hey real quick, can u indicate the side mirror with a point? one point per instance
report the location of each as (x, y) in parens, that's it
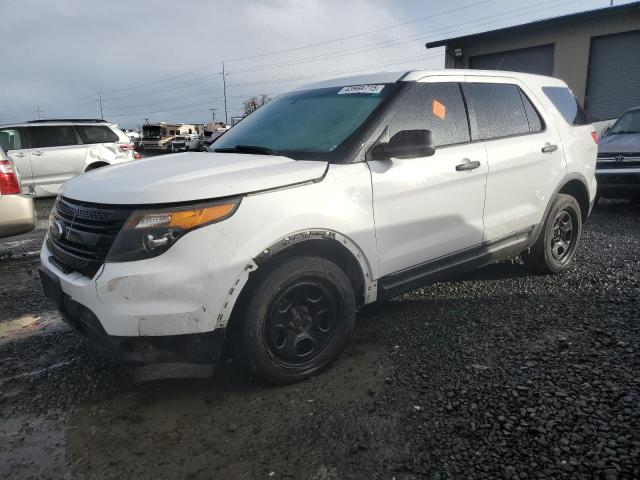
(606, 131)
(405, 144)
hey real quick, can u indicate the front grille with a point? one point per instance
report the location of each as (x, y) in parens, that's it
(618, 160)
(88, 231)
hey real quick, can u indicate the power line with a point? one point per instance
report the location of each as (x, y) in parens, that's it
(334, 72)
(395, 41)
(156, 103)
(326, 56)
(385, 44)
(310, 45)
(302, 47)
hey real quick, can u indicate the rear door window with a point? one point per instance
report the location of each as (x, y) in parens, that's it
(438, 107)
(499, 109)
(567, 104)
(10, 139)
(96, 134)
(54, 136)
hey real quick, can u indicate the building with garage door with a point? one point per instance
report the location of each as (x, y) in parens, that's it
(596, 52)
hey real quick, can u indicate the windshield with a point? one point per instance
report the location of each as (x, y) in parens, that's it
(308, 122)
(627, 123)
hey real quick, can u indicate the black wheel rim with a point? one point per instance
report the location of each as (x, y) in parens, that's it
(302, 323)
(563, 236)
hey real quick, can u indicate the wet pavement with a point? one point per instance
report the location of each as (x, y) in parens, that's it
(501, 374)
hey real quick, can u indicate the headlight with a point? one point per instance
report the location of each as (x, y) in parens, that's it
(149, 233)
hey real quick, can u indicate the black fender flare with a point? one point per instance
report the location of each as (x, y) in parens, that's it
(535, 233)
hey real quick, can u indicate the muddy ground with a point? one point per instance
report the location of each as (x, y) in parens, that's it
(501, 374)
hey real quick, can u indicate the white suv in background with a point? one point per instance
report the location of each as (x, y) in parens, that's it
(324, 200)
(47, 153)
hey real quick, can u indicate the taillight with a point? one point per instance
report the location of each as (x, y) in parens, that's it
(594, 135)
(136, 155)
(127, 146)
(9, 184)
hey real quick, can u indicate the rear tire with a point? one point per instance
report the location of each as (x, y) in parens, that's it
(297, 320)
(556, 247)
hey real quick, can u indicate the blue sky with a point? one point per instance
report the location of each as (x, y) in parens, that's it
(161, 60)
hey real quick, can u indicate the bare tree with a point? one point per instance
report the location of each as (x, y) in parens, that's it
(254, 103)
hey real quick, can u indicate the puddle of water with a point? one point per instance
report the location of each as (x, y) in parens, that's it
(28, 325)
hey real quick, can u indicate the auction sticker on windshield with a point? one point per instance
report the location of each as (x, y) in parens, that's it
(361, 89)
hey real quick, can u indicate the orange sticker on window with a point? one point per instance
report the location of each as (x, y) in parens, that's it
(439, 110)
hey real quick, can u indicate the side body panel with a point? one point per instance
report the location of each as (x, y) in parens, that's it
(425, 209)
(522, 178)
(188, 288)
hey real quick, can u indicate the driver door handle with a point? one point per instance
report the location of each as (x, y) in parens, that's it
(37, 153)
(549, 148)
(467, 165)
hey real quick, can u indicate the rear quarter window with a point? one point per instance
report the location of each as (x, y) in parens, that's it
(96, 134)
(10, 139)
(567, 104)
(499, 109)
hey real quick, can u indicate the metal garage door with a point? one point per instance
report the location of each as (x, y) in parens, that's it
(529, 60)
(613, 84)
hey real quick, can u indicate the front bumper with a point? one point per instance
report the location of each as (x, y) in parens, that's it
(618, 182)
(151, 356)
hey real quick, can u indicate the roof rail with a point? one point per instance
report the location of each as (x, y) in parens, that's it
(77, 120)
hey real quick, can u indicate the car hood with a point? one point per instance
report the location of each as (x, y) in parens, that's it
(621, 142)
(186, 177)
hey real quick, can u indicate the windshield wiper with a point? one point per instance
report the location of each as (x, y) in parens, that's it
(623, 131)
(246, 149)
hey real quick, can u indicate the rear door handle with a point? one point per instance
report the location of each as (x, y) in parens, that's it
(37, 153)
(467, 165)
(19, 155)
(548, 148)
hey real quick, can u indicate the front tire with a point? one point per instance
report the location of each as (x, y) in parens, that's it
(556, 247)
(297, 320)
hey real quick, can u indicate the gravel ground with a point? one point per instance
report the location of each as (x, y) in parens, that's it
(502, 374)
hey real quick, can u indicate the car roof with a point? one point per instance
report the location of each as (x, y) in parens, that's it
(54, 123)
(414, 75)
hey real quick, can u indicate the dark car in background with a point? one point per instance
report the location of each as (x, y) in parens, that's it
(618, 166)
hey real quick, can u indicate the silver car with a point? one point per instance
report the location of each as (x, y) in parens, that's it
(16, 210)
(47, 153)
(618, 167)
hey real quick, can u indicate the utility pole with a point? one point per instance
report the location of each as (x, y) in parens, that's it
(38, 111)
(213, 114)
(100, 99)
(146, 121)
(224, 89)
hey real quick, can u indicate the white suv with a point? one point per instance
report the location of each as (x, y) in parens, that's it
(47, 153)
(324, 200)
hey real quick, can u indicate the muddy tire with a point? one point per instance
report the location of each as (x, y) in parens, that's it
(297, 320)
(556, 247)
